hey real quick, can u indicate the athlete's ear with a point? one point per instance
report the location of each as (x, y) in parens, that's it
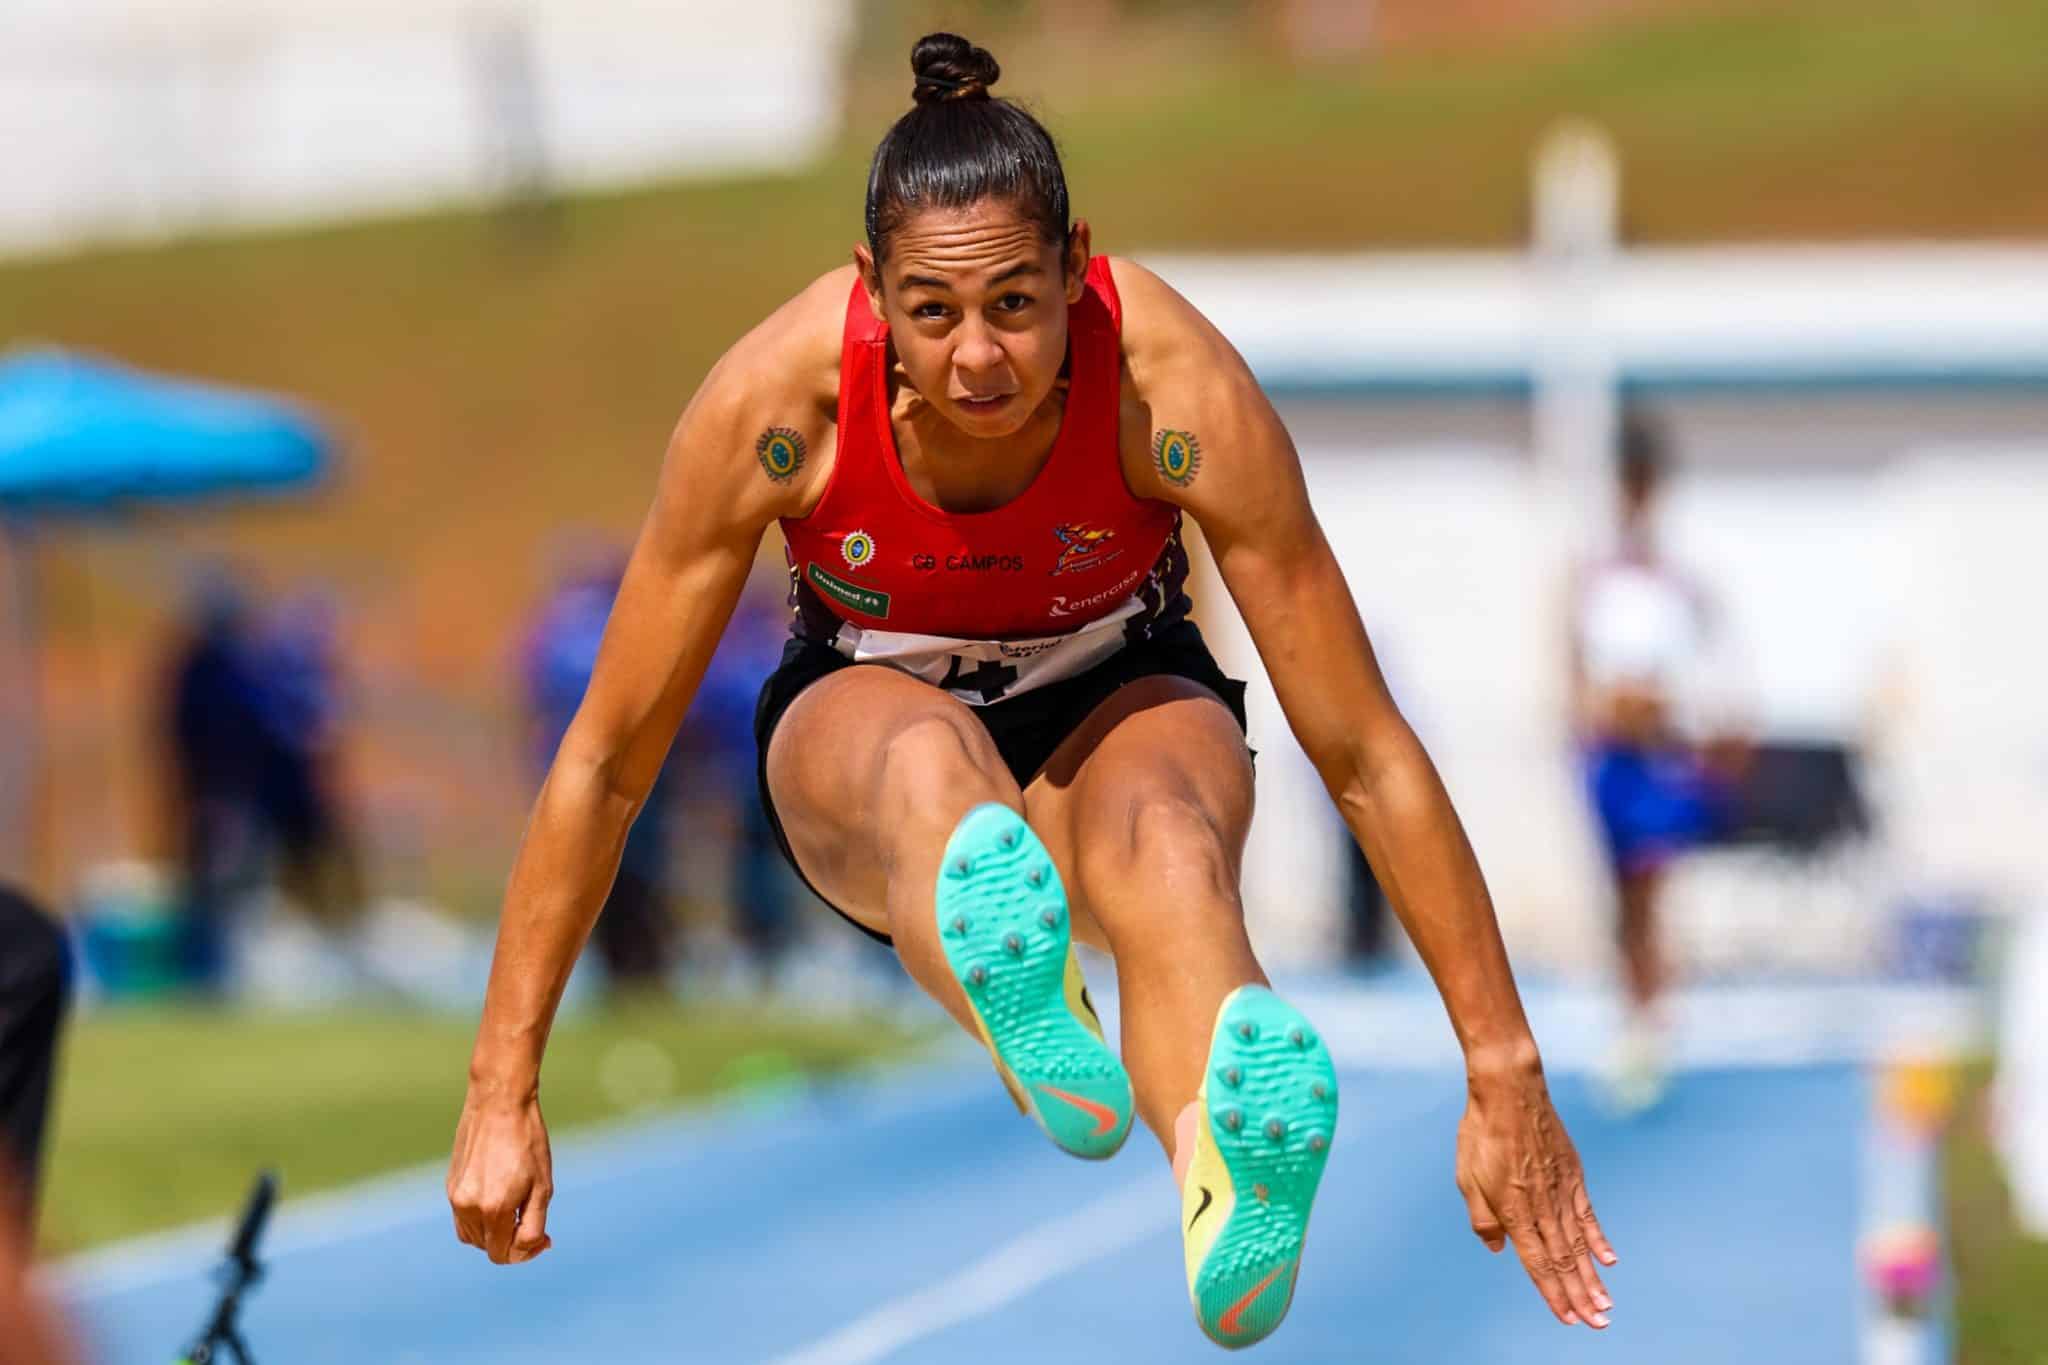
(1078, 242)
(870, 278)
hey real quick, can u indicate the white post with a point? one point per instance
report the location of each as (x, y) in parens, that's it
(1574, 404)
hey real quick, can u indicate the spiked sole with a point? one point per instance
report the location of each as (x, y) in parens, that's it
(1270, 1109)
(1003, 925)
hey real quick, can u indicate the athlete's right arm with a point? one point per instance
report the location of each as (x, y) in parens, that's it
(744, 453)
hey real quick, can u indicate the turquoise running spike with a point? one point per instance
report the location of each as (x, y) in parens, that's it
(1270, 1125)
(1012, 960)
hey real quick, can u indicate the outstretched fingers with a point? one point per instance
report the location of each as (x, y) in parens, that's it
(1572, 1259)
(1550, 1266)
(1576, 1227)
(1582, 1209)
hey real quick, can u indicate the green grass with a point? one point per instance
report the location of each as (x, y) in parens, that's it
(164, 1116)
(2001, 1313)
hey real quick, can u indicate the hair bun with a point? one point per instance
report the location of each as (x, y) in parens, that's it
(948, 67)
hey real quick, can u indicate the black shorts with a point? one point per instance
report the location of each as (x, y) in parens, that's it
(1027, 729)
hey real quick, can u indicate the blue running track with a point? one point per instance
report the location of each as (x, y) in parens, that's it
(920, 1220)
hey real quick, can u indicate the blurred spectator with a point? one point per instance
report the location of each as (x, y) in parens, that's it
(214, 734)
(718, 742)
(1640, 631)
(251, 725)
(1366, 913)
(298, 707)
(35, 986)
(636, 931)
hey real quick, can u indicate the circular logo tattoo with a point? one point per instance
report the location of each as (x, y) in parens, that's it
(1178, 455)
(781, 451)
(858, 547)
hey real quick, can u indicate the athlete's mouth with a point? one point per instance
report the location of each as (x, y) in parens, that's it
(989, 404)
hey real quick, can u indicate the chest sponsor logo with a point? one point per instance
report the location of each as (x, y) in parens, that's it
(967, 563)
(1084, 546)
(864, 600)
(1078, 606)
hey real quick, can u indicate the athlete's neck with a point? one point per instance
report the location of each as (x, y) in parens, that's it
(956, 472)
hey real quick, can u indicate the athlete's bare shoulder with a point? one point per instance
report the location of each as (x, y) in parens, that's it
(760, 429)
(1162, 333)
(795, 349)
(1184, 388)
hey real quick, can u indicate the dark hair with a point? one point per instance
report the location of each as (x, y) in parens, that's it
(958, 146)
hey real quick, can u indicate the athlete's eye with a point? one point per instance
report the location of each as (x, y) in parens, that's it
(929, 310)
(1014, 303)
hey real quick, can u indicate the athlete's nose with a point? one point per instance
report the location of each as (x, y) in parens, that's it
(977, 354)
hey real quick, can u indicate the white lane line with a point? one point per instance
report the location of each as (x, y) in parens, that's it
(414, 1195)
(1003, 1276)
(1761, 1024)
(357, 1211)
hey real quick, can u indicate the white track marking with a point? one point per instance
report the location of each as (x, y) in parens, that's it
(415, 1195)
(1004, 1275)
(1401, 1026)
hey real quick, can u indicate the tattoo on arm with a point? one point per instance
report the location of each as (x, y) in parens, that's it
(781, 451)
(1178, 456)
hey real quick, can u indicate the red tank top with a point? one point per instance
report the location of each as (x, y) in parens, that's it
(879, 573)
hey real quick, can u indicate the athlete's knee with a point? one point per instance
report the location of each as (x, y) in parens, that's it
(934, 758)
(1160, 841)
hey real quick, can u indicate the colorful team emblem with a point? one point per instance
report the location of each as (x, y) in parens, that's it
(857, 549)
(781, 452)
(1178, 455)
(1085, 546)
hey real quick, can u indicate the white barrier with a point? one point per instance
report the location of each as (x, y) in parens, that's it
(2020, 1124)
(126, 119)
(1863, 446)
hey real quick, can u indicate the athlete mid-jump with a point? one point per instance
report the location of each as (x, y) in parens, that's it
(995, 729)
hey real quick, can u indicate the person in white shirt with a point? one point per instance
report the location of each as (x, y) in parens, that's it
(1641, 632)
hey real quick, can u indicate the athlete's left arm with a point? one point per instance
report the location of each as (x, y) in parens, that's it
(1220, 452)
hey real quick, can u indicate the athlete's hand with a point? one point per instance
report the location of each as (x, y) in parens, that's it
(501, 1177)
(1522, 1183)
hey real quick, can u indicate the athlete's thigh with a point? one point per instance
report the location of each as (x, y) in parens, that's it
(826, 772)
(1159, 739)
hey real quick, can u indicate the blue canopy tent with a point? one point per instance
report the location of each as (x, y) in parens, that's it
(82, 437)
(79, 435)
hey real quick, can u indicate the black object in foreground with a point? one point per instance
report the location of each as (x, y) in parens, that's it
(238, 1276)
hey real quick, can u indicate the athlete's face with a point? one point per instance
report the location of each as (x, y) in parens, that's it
(976, 301)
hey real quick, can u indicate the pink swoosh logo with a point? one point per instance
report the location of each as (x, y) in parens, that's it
(1104, 1116)
(1229, 1323)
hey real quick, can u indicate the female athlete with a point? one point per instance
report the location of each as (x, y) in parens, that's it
(996, 729)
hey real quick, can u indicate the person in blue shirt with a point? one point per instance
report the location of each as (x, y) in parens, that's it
(636, 933)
